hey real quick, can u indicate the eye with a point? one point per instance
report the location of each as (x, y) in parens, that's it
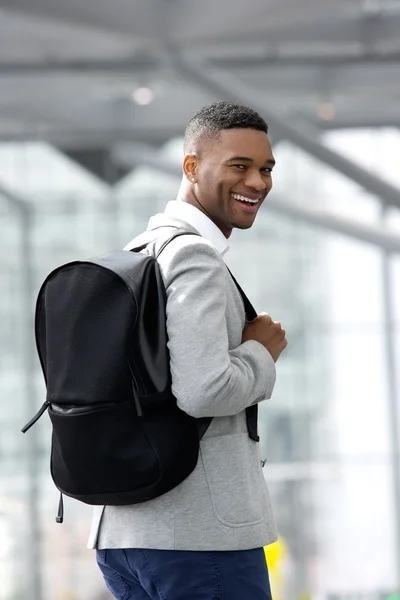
(267, 170)
(241, 167)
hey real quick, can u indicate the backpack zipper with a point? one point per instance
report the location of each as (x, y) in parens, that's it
(39, 413)
(60, 514)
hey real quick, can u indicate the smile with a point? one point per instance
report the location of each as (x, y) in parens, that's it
(245, 199)
(247, 205)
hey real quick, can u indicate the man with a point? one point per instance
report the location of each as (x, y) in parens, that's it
(204, 539)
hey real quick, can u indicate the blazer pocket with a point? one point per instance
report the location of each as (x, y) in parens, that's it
(234, 477)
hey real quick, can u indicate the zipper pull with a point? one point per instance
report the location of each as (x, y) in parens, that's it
(39, 413)
(60, 514)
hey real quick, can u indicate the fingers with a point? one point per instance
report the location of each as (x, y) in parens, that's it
(281, 345)
(266, 318)
(280, 334)
(274, 325)
(276, 334)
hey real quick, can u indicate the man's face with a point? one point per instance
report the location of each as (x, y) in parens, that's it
(233, 177)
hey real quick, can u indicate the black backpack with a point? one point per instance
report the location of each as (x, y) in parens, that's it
(118, 436)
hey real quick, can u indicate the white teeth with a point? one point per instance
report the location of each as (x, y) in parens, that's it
(244, 199)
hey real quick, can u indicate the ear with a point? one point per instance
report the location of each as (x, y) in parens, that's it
(190, 165)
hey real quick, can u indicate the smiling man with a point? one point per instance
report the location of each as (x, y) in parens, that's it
(204, 539)
(229, 161)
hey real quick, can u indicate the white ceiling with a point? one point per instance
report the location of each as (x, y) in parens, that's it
(68, 68)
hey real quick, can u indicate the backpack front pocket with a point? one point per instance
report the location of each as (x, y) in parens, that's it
(118, 458)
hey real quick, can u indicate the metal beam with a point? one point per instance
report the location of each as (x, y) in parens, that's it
(376, 236)
(87, 139)
(337, 24)
(32, 448)
(82, 138)
(389, 337)
(224, 85)
(142, 154)
(133, 19)
(148, 62)
(317, 59)
(338, 27)
(29, 67)
(190, 22)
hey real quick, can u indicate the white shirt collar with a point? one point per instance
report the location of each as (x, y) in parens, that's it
(184, 211)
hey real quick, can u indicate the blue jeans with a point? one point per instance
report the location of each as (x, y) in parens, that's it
(136, 574)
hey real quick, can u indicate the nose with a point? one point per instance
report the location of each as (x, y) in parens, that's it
(255, 181)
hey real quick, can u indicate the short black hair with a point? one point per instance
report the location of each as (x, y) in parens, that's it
(216, 117)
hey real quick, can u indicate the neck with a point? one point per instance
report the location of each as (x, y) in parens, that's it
(187, 194)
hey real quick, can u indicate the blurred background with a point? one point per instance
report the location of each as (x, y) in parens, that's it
(94, 99)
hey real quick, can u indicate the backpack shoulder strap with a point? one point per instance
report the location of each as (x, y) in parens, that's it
(148, 237)
(203, 423)
(175, 235)
(248, 307)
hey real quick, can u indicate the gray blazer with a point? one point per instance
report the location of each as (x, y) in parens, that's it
(224, 504)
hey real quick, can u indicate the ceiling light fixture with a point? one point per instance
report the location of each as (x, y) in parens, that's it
(326, 111)
(143, 96)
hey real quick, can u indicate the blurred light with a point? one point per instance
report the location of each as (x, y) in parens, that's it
(326, 111)
(143, 96)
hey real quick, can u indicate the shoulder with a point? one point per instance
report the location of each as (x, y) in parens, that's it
(186, 247)
(189, 253)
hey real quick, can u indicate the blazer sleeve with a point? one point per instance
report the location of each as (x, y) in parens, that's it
(208, 379)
